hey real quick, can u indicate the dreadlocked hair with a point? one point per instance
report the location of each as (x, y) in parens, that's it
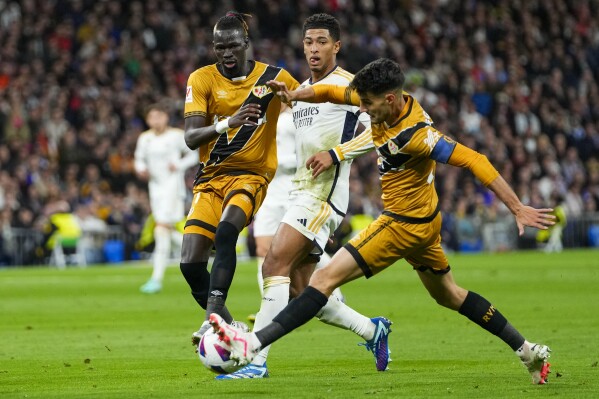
(233, 20)
(323, 21)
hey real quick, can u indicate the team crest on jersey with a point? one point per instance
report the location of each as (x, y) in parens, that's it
(261, 91)
(393, 148)
(188, 95)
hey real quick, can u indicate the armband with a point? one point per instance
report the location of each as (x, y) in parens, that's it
(222, 126)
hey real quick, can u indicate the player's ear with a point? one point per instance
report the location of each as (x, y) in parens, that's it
(247, 43)
(336, 47)
(390, 97)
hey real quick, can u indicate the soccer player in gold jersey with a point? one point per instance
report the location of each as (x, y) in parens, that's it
(231, 118)
(409, 228)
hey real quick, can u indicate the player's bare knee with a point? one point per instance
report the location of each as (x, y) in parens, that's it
(449, 298)
(195, 248)
(275, 264)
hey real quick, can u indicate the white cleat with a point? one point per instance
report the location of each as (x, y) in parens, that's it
(534, 358)
(237, 341)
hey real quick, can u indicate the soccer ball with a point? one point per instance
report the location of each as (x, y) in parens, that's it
(214, 355)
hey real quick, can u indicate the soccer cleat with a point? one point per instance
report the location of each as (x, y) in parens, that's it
(379, 344)
(249, 371)
(534, 358)
(197, 336)
(241, 325)
(238, 342)
(151, 287)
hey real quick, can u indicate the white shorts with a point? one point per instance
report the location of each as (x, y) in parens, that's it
(276, 203)
(167, 210)
(315, 219)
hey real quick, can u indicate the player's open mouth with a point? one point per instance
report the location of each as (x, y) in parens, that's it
(230, 64)
(314, 60)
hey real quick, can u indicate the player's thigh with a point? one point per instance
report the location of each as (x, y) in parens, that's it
(314, 219)
(387, 240)
(204, 214)
(246, 192)
(288, 249)
(429, 254)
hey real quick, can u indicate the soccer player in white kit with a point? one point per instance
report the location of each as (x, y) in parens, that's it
(316, 206)
(275, 203)
(161, 159)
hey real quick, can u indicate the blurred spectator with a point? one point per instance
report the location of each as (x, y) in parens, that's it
(516, 80)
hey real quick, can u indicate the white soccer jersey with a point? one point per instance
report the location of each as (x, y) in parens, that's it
(320, 127)
(155, 154)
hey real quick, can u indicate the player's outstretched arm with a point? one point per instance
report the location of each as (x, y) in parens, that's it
(525, 215)
(287, 96)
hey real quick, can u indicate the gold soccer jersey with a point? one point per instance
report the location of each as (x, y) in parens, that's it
(408, 151)
(249, 149)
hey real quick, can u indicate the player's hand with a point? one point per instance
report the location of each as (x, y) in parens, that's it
(247, 115)
(532, 217)
(319, 162)
(280, 89)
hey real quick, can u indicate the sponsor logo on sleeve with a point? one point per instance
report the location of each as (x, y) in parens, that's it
(431, 138)
(188, 95)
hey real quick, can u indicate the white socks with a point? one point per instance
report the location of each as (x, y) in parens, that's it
(162, 250)
(338, 314)
(274, 299)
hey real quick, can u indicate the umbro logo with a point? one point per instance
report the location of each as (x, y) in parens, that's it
(216, 293)
(303, 221)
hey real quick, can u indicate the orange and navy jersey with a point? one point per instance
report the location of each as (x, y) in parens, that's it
(408, 151)
(246, 149)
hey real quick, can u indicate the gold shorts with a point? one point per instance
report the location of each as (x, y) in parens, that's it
(387, 240)
(211, 197)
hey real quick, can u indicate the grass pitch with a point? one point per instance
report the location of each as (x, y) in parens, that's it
(83, 333)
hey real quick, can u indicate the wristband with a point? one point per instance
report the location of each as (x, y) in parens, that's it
(222, 126)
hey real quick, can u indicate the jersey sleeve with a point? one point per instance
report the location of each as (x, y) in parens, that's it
(196, 95)
(431, 143)
(353, 148)
(478, 163)
(335, 94)
(289, 80)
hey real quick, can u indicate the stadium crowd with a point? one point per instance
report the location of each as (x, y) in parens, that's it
(516, 80)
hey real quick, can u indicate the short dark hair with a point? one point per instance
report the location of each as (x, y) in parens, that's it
(378, 77)
(233, 20)
(323, 21)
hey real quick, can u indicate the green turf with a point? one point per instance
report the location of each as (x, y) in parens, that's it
(84, 333)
